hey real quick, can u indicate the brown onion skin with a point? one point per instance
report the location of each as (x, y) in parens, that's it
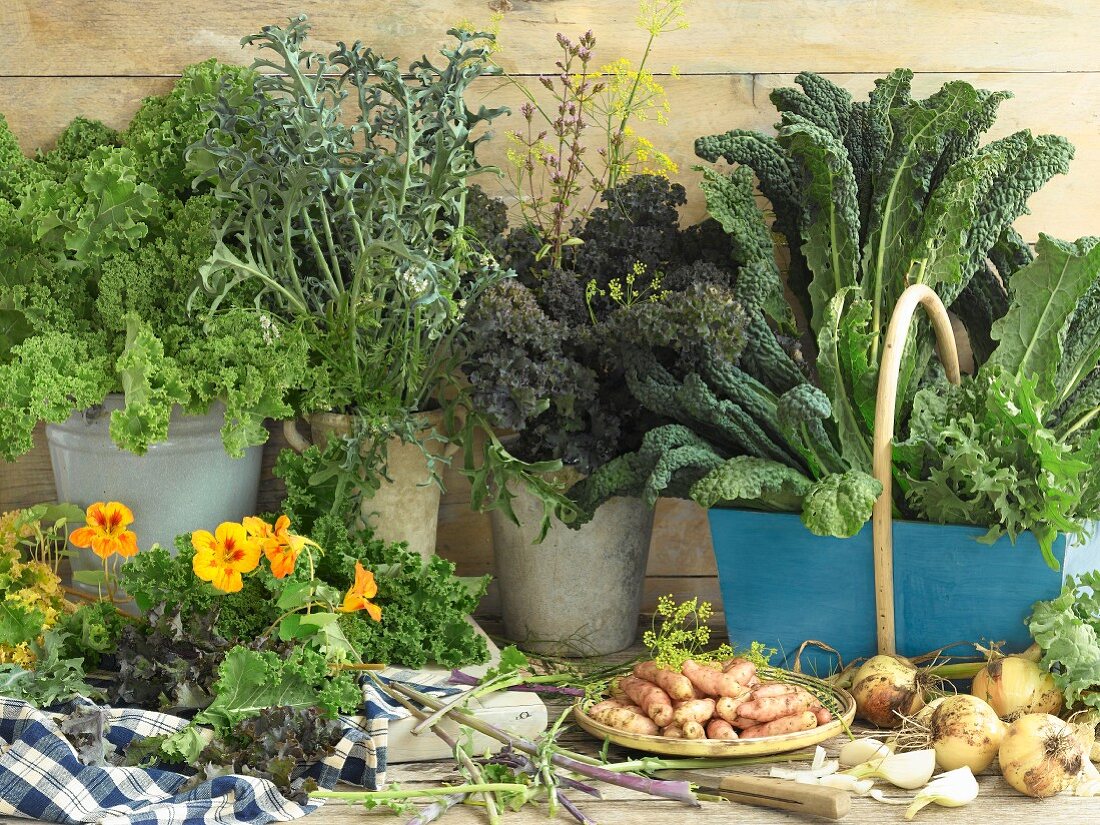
(1046, 698)
(881, 698)
(1056, 768)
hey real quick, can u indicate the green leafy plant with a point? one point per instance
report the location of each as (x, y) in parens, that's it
(101, 240)
(1066, 630)
(1013, 447)
(365, 245)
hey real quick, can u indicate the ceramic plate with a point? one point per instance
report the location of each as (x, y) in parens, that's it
(723, 748)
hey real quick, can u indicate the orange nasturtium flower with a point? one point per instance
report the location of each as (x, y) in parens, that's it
(357, 597)
(221, 558)
(105, 530)
(281, 547)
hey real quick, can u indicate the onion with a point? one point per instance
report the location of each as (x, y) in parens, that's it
(965, 733)
(1014, 686)
(1040, 756)
(910, 770)
(859, 751)
(886, 688)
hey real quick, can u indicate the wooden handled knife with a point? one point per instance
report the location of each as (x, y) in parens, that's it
(765, 792)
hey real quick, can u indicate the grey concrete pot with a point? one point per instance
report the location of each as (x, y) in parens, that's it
(579, 592)
(185, 483)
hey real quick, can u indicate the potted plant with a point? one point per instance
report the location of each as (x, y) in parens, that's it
(606, 282)
(345, 198)
(146, 395)
(870, 199)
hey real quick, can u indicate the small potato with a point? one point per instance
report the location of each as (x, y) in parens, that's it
(786, 724)
(766, 689)
(676, 685)
(650, 698)
(694, 710)
(824, 716)
(693, 730)
(726, 707)
(775, 707)
(740, 669)
(622, 719)
(720, 729)
(672, 732)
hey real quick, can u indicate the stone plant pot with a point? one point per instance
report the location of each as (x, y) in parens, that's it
(405, 508)
(577, 593)
(185, 483)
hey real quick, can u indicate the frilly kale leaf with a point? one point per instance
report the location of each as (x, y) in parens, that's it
(166, 125)
(1066, 630)
(75, 143)
(91, 632)
(840, 504)
(48, 376)
(99, 209)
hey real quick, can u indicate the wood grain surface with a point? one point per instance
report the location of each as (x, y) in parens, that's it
(997, 803)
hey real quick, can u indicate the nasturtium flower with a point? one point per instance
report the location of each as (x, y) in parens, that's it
(281, 547)
(221, 558)
(365, 588)
(105, 530)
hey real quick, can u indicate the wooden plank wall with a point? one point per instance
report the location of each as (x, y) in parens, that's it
(100, 57)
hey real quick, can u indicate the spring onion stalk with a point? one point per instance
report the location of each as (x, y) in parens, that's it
(667, 789)
(952, 790)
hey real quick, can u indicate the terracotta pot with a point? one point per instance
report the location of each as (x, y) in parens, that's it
(405, 507)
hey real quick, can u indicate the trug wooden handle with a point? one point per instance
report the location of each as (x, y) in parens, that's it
(882, 455)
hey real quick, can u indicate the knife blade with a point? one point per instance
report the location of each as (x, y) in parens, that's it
(766, 792)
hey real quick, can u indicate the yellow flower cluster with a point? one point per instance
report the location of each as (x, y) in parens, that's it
(30, 585)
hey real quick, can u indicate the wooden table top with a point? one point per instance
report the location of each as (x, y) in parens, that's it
(997, 803)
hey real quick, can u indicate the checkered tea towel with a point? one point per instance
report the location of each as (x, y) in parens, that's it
(42, 777)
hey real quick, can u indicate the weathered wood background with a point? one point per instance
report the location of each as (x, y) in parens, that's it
(99, 58)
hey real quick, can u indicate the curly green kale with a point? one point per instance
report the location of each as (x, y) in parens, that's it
(48, 377)
(91, 632)
(100, 208)
(17, 172)
(165, 126)
(1067, 630)
(75, 143)
(840, 504)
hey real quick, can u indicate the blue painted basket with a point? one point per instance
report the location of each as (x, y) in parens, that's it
(905, 587)
(782, 585)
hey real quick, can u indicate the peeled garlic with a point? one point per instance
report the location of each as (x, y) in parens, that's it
(952, 790)
(910, 770)
(859, 751)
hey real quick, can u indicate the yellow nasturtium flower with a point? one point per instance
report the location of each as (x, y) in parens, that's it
(358, 597)
(105, 530)
(281, 547)
(221, 558)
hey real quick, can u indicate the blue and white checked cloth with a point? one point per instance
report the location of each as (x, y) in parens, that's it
(41, 776)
